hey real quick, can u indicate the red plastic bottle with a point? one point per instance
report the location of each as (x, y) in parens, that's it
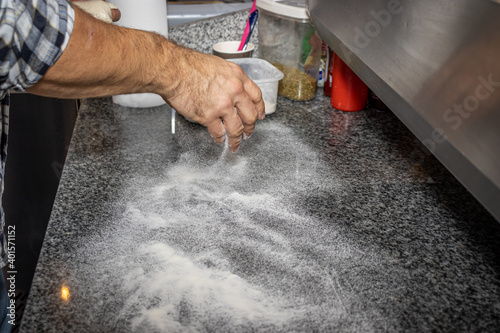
(349, 92)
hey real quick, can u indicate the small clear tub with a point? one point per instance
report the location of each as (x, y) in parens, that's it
(265, 75)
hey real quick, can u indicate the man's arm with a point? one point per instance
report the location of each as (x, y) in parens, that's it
(102, 59)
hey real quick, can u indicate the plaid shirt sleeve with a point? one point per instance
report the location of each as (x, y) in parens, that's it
(33, 35)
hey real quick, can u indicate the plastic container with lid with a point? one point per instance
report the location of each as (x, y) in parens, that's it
(288, 40)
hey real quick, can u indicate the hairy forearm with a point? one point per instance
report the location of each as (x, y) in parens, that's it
(102, 60)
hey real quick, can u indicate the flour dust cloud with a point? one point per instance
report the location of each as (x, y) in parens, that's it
(216, 244)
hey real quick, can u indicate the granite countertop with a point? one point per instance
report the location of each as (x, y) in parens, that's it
(324, 221)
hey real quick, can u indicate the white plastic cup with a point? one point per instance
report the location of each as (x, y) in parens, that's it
(150, 15)
(229, 50)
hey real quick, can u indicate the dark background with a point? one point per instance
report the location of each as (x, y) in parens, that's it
(40, 132)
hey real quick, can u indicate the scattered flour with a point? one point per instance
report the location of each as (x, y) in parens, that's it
(216, 244)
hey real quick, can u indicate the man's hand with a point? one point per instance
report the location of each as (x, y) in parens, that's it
(217, 94)
(99, 9)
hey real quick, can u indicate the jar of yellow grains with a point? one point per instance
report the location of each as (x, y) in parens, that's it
(288, 40)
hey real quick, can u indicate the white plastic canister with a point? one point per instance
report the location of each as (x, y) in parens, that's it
(149, 15)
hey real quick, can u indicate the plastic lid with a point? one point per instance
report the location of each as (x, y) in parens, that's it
(291, 8)
(258, 70)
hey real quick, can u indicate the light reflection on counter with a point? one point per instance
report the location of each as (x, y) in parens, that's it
(65, 295)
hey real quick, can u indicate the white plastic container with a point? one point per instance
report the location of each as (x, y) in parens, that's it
(288, 40)
(265, 75)
(150, 15)
(229, 50)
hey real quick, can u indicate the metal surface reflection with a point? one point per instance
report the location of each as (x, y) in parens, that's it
(435, 64)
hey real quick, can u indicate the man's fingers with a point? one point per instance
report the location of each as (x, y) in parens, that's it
(231, 126)
(217, 131)
(235, 124)
(255, 94)
(101, 10)
(248, 115)
(225, 100)
(234, 129)
(252, 91)
(115, 14)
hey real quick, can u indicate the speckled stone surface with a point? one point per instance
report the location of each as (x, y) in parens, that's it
(324, 221)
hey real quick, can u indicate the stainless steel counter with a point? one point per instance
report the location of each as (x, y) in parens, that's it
(435, 64)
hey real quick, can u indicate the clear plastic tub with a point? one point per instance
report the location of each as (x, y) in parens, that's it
(288, 40)
(265, 75)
